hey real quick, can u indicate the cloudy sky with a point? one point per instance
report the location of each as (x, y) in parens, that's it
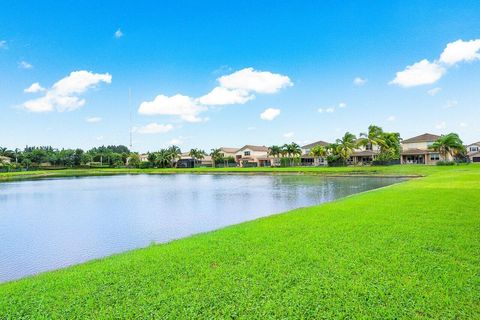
(222, 74)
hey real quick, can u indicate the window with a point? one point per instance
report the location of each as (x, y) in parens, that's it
(434, 157)
(246, 153)
(368, 146)
(473, 149)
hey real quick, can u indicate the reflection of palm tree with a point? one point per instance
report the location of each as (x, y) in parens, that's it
(449, 144)
(345, 146)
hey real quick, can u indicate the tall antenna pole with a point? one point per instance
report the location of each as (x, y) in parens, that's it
(130, 108)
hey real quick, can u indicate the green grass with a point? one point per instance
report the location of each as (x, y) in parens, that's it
(409, 251)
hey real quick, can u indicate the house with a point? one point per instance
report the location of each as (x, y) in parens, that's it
(364, 154)
(5, 160)
(473, 152)
(308, 160)
(144, 157)
(186, 161)
(417, 150)
(228, 152)
(253, 156)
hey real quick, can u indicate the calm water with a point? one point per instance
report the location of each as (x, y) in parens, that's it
(50, 224)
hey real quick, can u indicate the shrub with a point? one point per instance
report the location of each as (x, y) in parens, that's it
(445, 163)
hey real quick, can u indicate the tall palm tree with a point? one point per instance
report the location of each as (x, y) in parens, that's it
(174, 154)
(275, 151)
(449, 144)
(217, 156)
(374, 137)
(346, 145)
(196, 154)
(318, 152)
(292, 150)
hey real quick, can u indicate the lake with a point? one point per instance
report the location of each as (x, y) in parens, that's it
(53, 223)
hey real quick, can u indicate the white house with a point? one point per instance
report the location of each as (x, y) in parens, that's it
(473, 152)
(253, 156)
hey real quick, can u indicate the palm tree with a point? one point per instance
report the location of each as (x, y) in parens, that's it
(449, 144)
(275, 151)
(217, 156)
(196, 154)
(345, 146)
(291, 150)
(318, 152)
(174, 154)
(374, 137)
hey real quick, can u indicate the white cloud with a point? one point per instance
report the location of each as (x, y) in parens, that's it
(269, 114)
(3, 44)
(118, 34)
(327, 110)
(420, 73)
(25, 65)
(463, 124)
(342, 105)
(441, 125)
(178, 105)
(249, 79)
(434, 91)
(177, 141)
(34, 87)
(64, 94)
(451, 104)
(152, 128)
(391, 118)
(288, 135)
(93, 119)
(224, 96)
(358, 81)
(460, 50)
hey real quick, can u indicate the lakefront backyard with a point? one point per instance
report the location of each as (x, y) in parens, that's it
(407, 250)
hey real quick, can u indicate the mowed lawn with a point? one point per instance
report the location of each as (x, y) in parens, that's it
(411, 250)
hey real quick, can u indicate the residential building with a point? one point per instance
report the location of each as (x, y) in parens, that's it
(144, 157)
(473, 152)
(186, 161)
(364, 154)
(417, 150)
(229, 152)
(253, 156)
(308, 160)
(4, 159)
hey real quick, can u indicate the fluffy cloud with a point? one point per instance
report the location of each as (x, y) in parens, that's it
(434, 91)
(460, 50)
(177, 141)
(153, 127)
(391, 118)
(25, 65)
(269, 114)
(358, 81)
(178, 105)
(34, 87)
(64, 94)
(93, 119)
(118, 34)
(288, 134)
(249, 79)
(423, 72)
(224, 96)
(426, 72)
(342, 105)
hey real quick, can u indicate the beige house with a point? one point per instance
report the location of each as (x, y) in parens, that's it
(364, 154)
(309, 160)
(473, 152)
(186, 161)
(253, 156)
(143, 157)
(417, 150)
(229, 152)
(4, 159)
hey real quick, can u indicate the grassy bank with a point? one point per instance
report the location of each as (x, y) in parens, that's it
(408, 251)
(397, 170)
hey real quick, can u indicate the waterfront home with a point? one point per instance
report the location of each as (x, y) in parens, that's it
(187, 161)
(473, 152)
(306, 159)
(253, 156)
(143, 157)
(228, 152)
(364, 154)
(417, 150)
(4, 159)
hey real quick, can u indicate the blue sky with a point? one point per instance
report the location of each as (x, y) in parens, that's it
(294, 62)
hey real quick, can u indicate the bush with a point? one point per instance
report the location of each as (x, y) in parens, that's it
(145, 165)
(445, 163)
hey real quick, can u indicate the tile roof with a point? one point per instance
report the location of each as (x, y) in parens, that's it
(314, 144)
(254, 148)
(426, 137)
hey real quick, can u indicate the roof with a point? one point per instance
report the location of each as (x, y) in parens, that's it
(426, 137)
(314, 144)
(254, 148)
(364, 153)
(414, 152)
(474, 144)
(229, 150)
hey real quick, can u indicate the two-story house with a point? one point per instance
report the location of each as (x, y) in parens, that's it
(364, 154)
(253, 156)
(308, 160)
(473, 152)
(417, 150)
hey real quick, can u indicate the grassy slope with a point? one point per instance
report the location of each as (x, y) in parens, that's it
(407, 251)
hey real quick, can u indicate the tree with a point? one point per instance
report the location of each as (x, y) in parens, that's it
(196, 154)
(217, 156)
(292, 150)
(449, 144)
(374, 137)
(318, 152)
(134, 160)
(275, 151)
(174, 153)
(345, 146)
